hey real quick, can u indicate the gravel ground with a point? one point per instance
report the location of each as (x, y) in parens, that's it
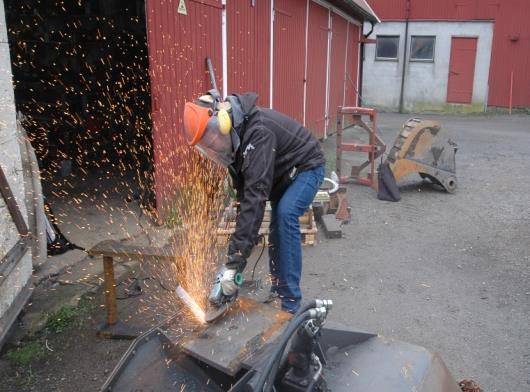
(448, 272)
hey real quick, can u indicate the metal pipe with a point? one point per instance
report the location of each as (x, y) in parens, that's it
(333, 183)
(361, 66)
(212, 74)
(402, 92)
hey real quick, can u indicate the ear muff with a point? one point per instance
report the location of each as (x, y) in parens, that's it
(225, 123)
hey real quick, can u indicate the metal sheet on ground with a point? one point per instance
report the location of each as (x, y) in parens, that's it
(150, 365)
(245, 329)
(382, 364)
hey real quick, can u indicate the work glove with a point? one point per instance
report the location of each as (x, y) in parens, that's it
(228, 280)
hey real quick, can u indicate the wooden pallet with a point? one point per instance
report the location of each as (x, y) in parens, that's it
(227, 225)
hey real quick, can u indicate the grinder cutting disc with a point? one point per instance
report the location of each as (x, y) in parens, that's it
(213, 313)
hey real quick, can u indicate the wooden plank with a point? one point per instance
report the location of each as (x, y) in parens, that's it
(264, 230)
(110, 290)
(11, 259)
(9, 317)
(115, 249)
(12, 205)
(308, 227)
(308, 235)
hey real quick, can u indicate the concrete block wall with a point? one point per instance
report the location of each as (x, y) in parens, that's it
(425, 82)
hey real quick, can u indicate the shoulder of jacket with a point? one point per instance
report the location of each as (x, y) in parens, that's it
(256, 128)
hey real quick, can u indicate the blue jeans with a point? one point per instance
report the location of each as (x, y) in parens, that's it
(285, 251)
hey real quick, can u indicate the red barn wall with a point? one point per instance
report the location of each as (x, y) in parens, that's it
(289, 57)
(511, 53)
(317, 54)
(511, 39)
(339, 29)
(248, 48)
(178, 45)
(351, 96)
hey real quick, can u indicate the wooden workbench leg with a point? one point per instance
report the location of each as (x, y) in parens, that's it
(110, 290)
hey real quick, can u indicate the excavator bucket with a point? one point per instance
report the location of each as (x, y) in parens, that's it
(225, 356)
(423, 147)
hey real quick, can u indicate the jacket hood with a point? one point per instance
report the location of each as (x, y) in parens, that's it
(248, 101)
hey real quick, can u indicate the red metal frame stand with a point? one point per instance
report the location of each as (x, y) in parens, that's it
(375, 148)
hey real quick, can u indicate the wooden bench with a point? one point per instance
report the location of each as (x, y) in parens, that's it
(110, 250)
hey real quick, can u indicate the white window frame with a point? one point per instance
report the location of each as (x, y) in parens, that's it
(418, 60)
(377, 58)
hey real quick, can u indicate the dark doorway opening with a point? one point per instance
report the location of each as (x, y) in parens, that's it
(81, 81)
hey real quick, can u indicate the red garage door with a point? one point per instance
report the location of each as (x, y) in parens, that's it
(289, 57)
(339, 28)
(178, 45)
(248, 48)
(461, 70)
(317, 49)
(351, 95)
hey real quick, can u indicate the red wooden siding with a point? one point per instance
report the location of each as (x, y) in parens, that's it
(352, 66)
(434, 9)
(511, 53)
(461, 70)
(316, 69)
(178, 46)
(249, 48)
(289, 57)
(339, 28)
(511, 43)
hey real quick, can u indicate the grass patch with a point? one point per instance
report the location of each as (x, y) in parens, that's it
(26, 379)
(25, 354)
(62, 319)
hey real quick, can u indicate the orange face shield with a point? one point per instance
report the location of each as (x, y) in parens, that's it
(204, 129)
(195, 120)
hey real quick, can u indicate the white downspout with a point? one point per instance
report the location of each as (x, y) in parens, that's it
(224, 49)
(271, 63)
(346, 65)
(306, 57)
(328, 70)
(359, 65)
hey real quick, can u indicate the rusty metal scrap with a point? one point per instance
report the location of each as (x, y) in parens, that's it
(423, 147)
(469, 386)
(374, 148)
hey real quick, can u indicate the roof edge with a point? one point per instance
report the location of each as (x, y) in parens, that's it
(357, 9)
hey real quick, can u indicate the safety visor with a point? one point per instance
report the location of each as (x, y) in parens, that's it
(195, 119)
(202, 131)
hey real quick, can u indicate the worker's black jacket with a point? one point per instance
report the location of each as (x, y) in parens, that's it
(271, 145)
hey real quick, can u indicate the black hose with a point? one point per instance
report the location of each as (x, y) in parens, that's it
(267, 372)
(259, 257)
(310, 305)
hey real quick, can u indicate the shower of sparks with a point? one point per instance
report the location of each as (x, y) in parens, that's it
(191, 304)
(82, 83)
(196, 203)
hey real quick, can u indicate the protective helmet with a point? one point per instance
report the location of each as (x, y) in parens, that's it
(207, 126)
